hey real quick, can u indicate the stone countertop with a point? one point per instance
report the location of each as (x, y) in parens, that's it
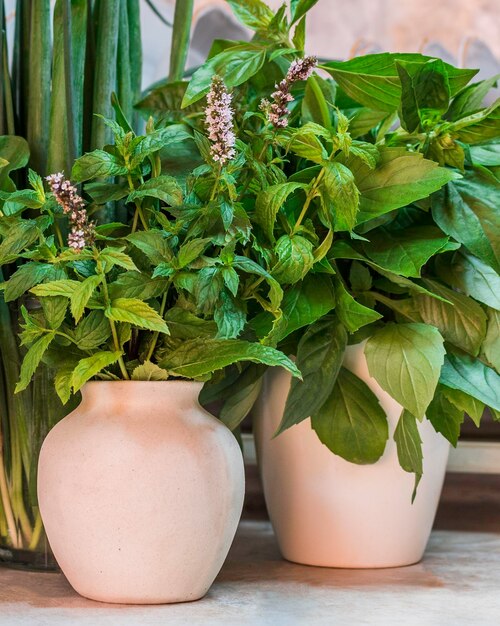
(455, 584)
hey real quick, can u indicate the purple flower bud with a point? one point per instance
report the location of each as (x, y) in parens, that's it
(219, 122)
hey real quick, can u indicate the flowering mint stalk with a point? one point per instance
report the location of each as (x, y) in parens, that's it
(277, 110)
(82, 231)
(219, 122)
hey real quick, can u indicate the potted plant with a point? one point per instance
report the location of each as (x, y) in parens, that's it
(65, 66)
(139, 488)
(377, 208)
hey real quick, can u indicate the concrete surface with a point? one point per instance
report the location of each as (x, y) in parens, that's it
(456, 584)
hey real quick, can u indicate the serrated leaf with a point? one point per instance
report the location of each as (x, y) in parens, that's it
(137, 313)
(32, 360)
(137, 285)
(295, 258)
(200, 357)
(164, 188)
(115, 256)
(97, 164)
(88, 368)
(153, 244)
(252, 13)
(340, 196)
(268, 203)
(149, 371)
(64, 287)
(26, 277)
(409, 447)
(406, 360)
(82, 294)
(191, 250)
(229, 316)
(93, 331)
(319, 357)
(351, 423)
(299, 8)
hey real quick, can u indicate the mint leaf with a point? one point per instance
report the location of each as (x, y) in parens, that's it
(32, 360)
(90, 366)
(137, 313)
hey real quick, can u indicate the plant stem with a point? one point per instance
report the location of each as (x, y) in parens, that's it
(310, 195)
(112, 324)
(37, 531)
(7, 506)
(156, 334)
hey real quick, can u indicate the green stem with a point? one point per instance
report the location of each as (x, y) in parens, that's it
(156, 334)
(310, 195)
(112, 324)
(7, 506)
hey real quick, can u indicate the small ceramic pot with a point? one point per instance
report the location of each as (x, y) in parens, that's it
(140, 491)
(329, 512)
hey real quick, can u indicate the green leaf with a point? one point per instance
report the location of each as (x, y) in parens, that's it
(468, 211)
(235, 65)
(473, 277)
(18, 238)
(295, 258)
(340, 196)
(164, 188)
(491, 345)
(54, 310)
(137, 285)
(409, 447)
(191, 250)
(209, 284)
(137, 313)
(461, 321)
(446, 417)
(15, 153)
(93, 331)
(478, 127)
(116, 256)
(465, 403)
(268, 203)
(64, 287)
(373, 80)
(149, 371)
(405, 360)
(299, 8)
(404, 251)
(90, 366)
(97, 164)
(26, 277)
(63, 381)
(153, 243)
(186, 325)
(82, 294)
(252, 13)
(199, 357)
(470, 99)
(32, 360)
(243, 396)
(250, 267)
(229, 316)
(304, 143)
(319, 357)
(352, 423)
(400, 178)
(487, 154)
(350, 312)
(307, 301)
(472, 377)
(425, 92)
(157, 140)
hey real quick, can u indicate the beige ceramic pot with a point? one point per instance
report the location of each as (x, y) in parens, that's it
(140, 491)
(328, 512)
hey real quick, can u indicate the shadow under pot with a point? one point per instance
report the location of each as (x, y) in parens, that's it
(332, 513)
(140, 491)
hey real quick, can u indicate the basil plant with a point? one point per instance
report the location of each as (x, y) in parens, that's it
(372, 189)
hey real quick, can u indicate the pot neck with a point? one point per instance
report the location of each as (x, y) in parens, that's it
(184, 394)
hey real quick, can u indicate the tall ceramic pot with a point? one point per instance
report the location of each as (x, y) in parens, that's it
(140, 491)
(329, 512)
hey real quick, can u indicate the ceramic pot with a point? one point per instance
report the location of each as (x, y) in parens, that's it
(140, 491)
(329, 512)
